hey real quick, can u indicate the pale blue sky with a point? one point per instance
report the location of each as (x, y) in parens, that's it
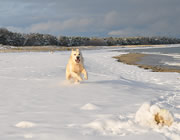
(92, 17)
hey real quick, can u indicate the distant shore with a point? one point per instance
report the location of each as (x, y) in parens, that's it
(134, 58)
(134, 46)
(8, 49)
(37, 39)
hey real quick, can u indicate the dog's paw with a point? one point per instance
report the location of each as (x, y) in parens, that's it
(76, 82)
(85, 77)
(80, 79)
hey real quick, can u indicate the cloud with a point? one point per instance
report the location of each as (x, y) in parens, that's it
(16, 29)
(117, 33)
(158, 28)
(100, 17)
(111, 18)
(128, 32)
(74, 24)
(55, 27)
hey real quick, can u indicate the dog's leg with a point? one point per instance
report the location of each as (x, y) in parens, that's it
(76, 76)
(84, 72)
(68, 76)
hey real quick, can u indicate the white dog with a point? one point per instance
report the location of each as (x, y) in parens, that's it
(75, 67)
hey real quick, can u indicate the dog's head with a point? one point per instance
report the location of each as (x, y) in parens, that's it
(76, 56)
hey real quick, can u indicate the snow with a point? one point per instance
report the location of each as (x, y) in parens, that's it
(37, 103)
(146, 116)
(172, 64)
(25, 124)
(28, 136)
(89, 106)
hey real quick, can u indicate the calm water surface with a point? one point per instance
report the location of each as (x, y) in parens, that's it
(166, 56)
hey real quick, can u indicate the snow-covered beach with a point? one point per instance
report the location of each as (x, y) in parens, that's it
(37, 103)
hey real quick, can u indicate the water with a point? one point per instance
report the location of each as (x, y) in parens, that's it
(168, 56)
(170, 49)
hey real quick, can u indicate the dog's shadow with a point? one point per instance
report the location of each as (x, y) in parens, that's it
(128, 83)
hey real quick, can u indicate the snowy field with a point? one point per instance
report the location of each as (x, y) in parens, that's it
(37, 103)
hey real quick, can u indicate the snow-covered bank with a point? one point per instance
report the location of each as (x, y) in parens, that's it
(35, 95)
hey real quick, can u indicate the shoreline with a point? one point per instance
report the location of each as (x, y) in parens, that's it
(11, 49)
(134, 58)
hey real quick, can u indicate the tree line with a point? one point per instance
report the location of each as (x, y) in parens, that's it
(36, 39)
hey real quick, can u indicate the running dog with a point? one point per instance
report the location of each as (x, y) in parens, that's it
(75, 67)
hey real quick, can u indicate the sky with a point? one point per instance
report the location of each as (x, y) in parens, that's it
(100, 18)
